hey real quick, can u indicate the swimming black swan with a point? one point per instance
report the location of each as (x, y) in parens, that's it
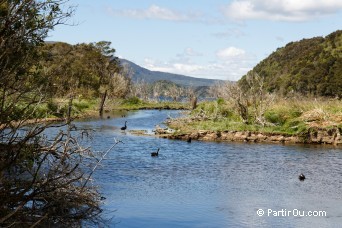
(301, 177)
(155, 154)
(124, 127)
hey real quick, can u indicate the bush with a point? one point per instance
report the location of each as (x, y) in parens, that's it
(132, 101)
(275, 118)
(220, 101)
(53, 107)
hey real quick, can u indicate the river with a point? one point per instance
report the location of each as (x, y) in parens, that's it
(212, 184)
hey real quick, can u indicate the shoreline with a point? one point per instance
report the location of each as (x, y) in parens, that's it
(313, 136)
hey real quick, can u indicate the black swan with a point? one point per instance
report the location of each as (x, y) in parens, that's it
(124, 127)
(301, 177)
(155, 154)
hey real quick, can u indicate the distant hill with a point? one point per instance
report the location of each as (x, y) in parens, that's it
(309, 66)
(140, 73)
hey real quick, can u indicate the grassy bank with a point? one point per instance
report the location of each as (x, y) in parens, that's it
(82, 108)
(287, 117)
(136, 103)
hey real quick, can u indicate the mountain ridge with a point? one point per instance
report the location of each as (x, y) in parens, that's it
(310, 67)
(140, 73)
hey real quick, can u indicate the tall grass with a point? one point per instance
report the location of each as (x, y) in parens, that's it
(285, 116)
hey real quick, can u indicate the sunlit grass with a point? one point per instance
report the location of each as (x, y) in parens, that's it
(290, 117)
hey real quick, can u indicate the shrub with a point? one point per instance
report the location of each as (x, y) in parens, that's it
(132, 101)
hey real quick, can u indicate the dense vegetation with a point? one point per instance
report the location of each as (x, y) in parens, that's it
(83, 70)
(45, 180)
(87, 79)
(294, 116)
(309, 67)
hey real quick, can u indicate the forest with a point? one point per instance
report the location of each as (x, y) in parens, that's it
(311, 67)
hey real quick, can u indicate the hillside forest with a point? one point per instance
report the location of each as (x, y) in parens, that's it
(311, 67)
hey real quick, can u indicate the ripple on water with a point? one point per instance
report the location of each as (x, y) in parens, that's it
(207, 184)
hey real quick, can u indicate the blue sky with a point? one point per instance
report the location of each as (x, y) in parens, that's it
(218, 39)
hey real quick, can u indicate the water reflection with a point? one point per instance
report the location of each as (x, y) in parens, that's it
(208, 184)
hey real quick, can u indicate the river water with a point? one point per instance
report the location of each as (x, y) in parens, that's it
(212, 184)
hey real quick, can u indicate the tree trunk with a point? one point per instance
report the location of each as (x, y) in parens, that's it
(103, 99)
(68, 120)
(193, 102)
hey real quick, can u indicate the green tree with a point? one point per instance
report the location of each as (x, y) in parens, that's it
(309, 67)
(90, 70)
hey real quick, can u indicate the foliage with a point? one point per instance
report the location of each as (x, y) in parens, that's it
(310, 67)
(132, 101)
(250, 98)
(44, 180)
(291, 117)
(135, 103)
(85, 70)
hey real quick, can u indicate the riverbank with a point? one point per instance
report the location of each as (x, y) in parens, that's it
(208, 123)
(313, 136)
(286, 121)
(85, 108)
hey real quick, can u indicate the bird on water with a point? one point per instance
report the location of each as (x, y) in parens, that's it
(124, 127)
(155, 154)
(301, 177)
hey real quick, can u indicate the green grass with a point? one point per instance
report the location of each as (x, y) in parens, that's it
(288, 117)
(58, 107)
(136, 104)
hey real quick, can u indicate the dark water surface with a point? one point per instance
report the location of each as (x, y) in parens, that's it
(210, 184)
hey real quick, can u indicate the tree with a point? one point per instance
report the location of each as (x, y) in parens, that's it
(120, 84)
(158, 90)
(249, 97)
(43, 178)
(175, 92)
(103, 64)
(87, 70)
(141, 89)
(257, 96)
(240, 98)
(191, 94)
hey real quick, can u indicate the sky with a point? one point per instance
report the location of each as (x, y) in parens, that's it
(216, 39)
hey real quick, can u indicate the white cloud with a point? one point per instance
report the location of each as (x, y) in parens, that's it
(187, 68)
(232, 65)
(157, 12)
(188, 53)
(230, 52)
(172, 67)
(281, 10)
